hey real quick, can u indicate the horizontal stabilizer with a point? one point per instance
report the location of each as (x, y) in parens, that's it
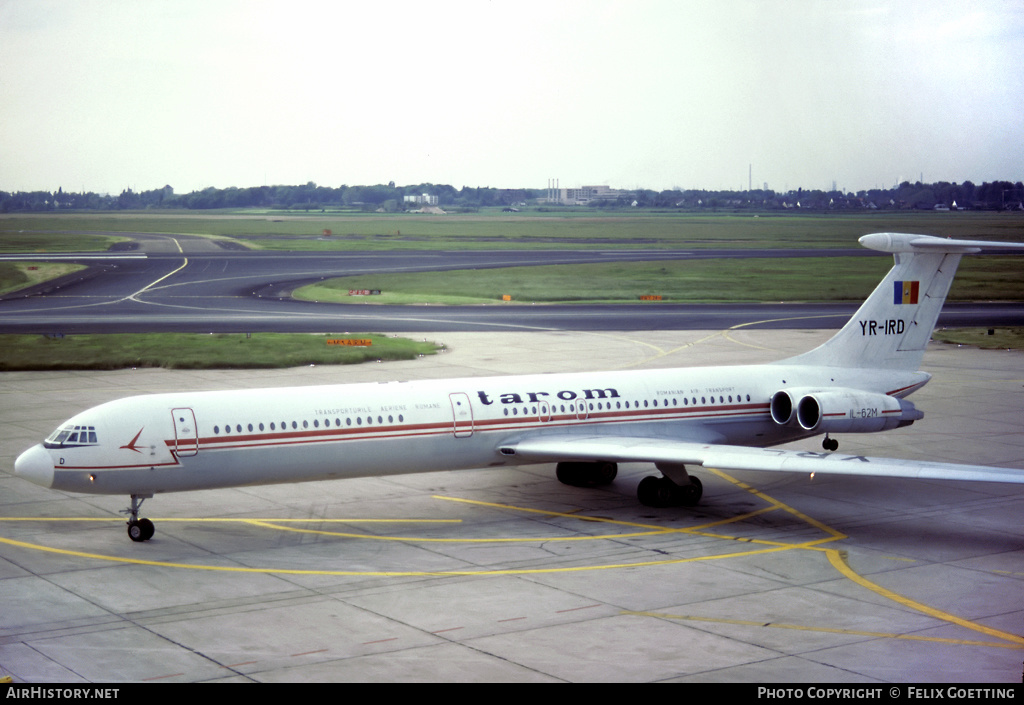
(904, 242)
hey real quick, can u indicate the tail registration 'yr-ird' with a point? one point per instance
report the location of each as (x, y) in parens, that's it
(587, 423)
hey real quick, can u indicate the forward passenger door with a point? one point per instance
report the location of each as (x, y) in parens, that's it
(186, 437)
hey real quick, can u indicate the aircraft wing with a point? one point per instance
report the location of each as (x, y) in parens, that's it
(626, 449)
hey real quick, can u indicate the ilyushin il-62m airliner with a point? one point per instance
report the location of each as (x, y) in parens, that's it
(587, 423)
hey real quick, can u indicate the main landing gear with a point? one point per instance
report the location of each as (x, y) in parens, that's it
(139, 529)
(656, 491)
(586, 474)
(682, 490)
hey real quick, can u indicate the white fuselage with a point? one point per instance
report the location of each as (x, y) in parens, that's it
(197, 440)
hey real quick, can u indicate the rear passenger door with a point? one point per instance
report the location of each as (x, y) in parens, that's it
(462, 414)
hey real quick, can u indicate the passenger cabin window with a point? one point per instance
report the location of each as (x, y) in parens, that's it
(72, 436)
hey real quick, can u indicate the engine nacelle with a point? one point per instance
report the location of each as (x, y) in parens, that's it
(841, 410)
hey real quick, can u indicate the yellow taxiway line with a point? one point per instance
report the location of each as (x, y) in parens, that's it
(836, 558)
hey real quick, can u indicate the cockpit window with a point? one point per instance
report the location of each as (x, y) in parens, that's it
(72, 436)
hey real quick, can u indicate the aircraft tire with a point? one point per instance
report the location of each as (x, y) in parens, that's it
(656, 491)
(661, 492)
(586, 474)
(602, 474)
(568, 474)
(690, 494)
(141, 530)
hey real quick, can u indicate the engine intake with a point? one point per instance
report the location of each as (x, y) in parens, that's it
(782, 408)
(841, 410)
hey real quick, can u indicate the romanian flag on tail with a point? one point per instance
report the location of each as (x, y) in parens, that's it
(905, 292)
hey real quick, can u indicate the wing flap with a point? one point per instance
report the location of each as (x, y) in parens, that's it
(726, 457)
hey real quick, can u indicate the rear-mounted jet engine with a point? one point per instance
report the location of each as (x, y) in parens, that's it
(841, 410)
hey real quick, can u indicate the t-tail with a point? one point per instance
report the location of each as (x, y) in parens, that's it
(892, 327)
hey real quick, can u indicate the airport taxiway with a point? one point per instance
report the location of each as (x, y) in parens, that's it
(192, 284)
(507, 575)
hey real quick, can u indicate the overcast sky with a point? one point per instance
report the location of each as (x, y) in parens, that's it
(104, 95)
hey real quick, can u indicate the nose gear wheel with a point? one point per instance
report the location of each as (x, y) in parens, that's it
(139, 529)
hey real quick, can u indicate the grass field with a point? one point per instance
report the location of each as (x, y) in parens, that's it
(988, 338)
(492, 229)
(33, 241)
(198, 351)
(18, 275)
(692, 281)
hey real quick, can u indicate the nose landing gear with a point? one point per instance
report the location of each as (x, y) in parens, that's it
(139, 529)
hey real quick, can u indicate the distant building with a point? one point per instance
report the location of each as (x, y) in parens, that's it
(424, 199)
(582, 195)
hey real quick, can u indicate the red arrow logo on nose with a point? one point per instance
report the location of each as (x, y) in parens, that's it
(131, 444)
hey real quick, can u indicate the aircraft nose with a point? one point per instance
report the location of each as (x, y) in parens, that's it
(35, 465)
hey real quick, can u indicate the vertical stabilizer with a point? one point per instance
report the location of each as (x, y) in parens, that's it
(892, 327)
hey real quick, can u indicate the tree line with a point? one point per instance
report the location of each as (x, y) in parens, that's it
(306, 197)
(996, 195)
